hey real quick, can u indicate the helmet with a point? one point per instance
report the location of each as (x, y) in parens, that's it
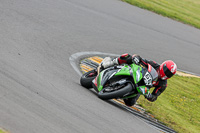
(167, 69)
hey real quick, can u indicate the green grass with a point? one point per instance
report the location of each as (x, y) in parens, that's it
(186, 11)
(1, 131)
(179, 105)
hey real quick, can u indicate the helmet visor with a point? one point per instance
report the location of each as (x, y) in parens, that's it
(167, 72)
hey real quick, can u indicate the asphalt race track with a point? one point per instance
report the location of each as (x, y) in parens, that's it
(40, 90)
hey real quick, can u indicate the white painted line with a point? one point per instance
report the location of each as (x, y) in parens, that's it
(73, 58)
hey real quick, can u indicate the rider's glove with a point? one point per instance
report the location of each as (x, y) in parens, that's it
(136, 59)
(107, 62)
(150, 97)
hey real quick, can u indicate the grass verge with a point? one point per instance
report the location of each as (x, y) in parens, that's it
(178, 107)
(186, 11)
(2, 131)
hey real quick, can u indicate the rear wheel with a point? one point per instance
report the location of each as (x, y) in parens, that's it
(86, 79)
(119, 93)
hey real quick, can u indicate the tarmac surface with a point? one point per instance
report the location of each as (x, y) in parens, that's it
(39, 89)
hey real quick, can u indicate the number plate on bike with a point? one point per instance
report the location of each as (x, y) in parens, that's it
(147, 79)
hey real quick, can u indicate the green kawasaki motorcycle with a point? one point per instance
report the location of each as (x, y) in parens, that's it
(124, 81)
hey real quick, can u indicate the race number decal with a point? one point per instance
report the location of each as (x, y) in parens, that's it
(147, 79)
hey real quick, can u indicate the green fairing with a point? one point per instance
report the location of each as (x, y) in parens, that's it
(124, 71)
(135, 68)
(99, 86)
(141, 90)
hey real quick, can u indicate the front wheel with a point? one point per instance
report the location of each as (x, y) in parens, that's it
(86, 79)
(119, 93)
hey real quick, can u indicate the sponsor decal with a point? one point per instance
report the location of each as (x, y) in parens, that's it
(142, 90)
(124, 55)
(136, 60)
(95, 81)
(165, 77)
(149, 67)
(154, 82)
(145, 90)
(173, 68)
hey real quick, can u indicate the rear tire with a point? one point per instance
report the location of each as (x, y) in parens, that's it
(86, 81)
(115, 94)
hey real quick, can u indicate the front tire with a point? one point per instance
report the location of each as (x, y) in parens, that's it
(86, 80)
(115, 94)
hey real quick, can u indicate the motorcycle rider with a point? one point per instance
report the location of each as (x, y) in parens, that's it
(165, 71)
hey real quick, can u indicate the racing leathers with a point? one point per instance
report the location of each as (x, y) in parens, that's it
(160, 85)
